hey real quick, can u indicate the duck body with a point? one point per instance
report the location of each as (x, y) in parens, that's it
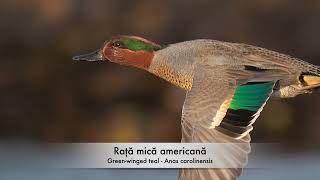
(176, 64)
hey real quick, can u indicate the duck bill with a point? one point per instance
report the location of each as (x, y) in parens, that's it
(94, 56)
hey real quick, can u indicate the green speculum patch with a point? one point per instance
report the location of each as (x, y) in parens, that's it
(251, 96)
(137, 45)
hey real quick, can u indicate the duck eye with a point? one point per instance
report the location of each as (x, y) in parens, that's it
(117, 44)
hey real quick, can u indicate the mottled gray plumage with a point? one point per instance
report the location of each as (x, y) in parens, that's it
(181, 58)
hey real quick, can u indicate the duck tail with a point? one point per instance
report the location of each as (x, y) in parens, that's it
(310, 80)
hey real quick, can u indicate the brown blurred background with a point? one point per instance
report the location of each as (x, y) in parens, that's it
(45, 96)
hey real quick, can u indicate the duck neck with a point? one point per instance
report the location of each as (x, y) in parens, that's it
(166, 64)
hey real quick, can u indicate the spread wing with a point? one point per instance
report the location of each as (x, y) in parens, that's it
(221, 108)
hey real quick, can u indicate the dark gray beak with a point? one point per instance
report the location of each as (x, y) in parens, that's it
(94, 56)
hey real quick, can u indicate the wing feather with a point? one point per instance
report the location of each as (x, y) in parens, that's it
(205, 106)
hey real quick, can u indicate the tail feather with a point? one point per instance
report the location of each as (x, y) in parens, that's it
(308, 82)
(312, 81)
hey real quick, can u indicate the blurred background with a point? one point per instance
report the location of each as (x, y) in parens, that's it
(47, 97)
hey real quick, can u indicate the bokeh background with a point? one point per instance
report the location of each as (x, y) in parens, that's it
(47, 97)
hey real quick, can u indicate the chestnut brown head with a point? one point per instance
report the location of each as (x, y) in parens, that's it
(125, 50)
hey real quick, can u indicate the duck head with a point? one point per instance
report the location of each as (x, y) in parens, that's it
(125, 50)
